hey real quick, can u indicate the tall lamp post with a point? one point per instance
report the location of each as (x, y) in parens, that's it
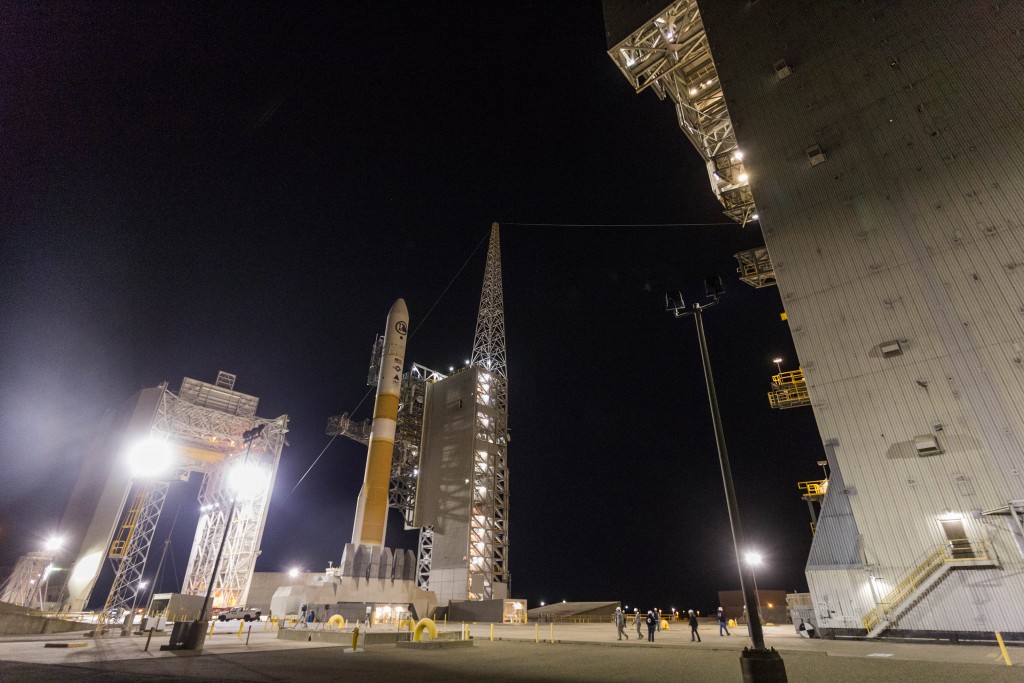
(197, 635)
(757, 663)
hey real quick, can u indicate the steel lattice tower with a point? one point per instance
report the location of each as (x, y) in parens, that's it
(488, 548)
(22, 587)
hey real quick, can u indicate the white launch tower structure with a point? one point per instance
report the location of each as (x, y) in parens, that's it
(114, 510)
(882, 144)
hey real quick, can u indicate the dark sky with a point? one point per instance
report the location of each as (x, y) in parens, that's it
(187, 188)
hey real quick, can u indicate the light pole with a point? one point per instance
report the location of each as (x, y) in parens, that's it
(135, 601)
(198, 633)
(757, 663)
(754, 560)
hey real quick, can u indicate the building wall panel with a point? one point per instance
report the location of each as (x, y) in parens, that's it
(911, 230)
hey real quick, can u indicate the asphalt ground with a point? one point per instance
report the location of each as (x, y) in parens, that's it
(581, 652)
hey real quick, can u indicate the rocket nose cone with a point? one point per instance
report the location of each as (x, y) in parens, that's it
(399, 309)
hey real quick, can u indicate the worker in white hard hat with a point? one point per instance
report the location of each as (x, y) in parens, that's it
(620, 623)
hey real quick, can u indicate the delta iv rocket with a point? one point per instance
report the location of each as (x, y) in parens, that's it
(372, 505)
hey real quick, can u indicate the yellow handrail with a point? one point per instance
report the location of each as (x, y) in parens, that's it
(789, 390)
(813, 488)
(970, 550)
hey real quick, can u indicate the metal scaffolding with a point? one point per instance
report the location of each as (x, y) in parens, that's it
(670, 56)
(488, 543)
(130, 548)
(424, 555)
(204, 424)
(25, 584)
(242, 542)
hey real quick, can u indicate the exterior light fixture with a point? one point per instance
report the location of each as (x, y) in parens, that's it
(150, 458)
(247, 480)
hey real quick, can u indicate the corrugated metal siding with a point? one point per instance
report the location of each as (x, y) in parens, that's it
(835, 541)
(911, 230)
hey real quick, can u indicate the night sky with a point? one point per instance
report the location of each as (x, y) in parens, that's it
(187, 188)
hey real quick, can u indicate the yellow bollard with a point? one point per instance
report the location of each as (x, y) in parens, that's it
(552, 632)
(1002, 648)
(355, 637)
(240, 625)
(211, 627)
(536, 633)
(492, 631)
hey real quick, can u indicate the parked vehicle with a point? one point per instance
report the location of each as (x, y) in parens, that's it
(250, 614)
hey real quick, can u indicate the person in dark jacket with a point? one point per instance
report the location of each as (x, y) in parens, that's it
(694, 635)
(651, 619)
(722, 626)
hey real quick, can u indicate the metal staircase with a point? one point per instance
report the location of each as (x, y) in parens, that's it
(936, 565)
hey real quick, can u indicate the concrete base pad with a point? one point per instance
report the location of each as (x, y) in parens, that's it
(435, 644)
(366, 638)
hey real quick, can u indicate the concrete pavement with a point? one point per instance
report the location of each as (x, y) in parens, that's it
(581, 652)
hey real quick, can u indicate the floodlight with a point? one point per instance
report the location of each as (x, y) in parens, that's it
(54, 543)
(293, 572)
(753, 558)
(247, 480)
(150, 458)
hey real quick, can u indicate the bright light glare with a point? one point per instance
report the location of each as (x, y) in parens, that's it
(754, 558)
(54, 543)
(247, 480)
(143, 584)
(776, 360)
(743, 177)
(293, 572)
(737, 154)
(150, 458)
(755, 217)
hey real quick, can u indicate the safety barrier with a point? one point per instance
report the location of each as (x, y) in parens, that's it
(429, 625)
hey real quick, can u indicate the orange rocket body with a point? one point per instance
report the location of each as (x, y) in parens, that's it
(372, 504)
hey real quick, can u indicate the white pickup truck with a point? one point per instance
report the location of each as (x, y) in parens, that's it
(251, 614)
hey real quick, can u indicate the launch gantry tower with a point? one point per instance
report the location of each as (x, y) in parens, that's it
(202, 426)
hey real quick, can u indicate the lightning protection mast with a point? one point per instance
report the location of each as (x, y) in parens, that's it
(488, 547)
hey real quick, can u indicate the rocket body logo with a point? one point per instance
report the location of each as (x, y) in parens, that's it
(401, 327)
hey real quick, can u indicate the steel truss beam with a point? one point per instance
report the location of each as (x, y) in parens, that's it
(22, 587)
(242, 542)
(670, 55)
(424, 555)
(129, 562)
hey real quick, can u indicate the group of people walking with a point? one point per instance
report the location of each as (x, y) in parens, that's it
(653, 622)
